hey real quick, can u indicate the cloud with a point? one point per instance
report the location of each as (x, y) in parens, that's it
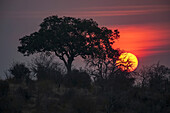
(92, 11)
(121, 10)
(127, 7)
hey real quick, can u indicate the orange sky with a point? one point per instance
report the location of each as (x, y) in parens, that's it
(143, 40)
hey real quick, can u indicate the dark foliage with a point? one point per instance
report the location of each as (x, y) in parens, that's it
(19, 71)
(45, 68)
(68, 38)
(77, 79)
(78, 94)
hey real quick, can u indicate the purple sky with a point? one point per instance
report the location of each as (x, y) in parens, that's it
(144, 25)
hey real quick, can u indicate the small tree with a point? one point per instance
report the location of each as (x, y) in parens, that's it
(155, 77)
(19, 71)
(46, 68)
(159, 75)
(68, 38)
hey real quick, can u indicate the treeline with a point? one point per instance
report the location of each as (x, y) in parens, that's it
(44, 87)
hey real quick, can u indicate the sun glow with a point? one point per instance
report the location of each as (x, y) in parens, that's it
(143, 40)
(127, 62)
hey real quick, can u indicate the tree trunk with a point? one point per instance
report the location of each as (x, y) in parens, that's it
(68, 68)
(69, 64)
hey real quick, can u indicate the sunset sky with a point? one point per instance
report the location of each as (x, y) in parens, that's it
(144, 25)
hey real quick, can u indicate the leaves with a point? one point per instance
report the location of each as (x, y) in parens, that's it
(68, 38)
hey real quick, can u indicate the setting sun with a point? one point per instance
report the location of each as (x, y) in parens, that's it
(127, 62)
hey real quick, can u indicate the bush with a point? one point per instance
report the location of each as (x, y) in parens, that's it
(77, 79)
(19, 71)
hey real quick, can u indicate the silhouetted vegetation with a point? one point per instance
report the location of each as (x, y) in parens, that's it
(19, 71)
(68, 38)
(43, 86)
(79, 92)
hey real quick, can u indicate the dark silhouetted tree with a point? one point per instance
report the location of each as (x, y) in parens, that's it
(45, 67)
(104, 62)
(143, 76)
(159, 75)
(68, 38)
(155, 77)
(19, 71)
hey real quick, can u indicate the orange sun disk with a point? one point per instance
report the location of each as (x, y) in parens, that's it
(127, 62)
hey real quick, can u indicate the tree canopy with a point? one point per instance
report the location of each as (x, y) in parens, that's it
(68, 38)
